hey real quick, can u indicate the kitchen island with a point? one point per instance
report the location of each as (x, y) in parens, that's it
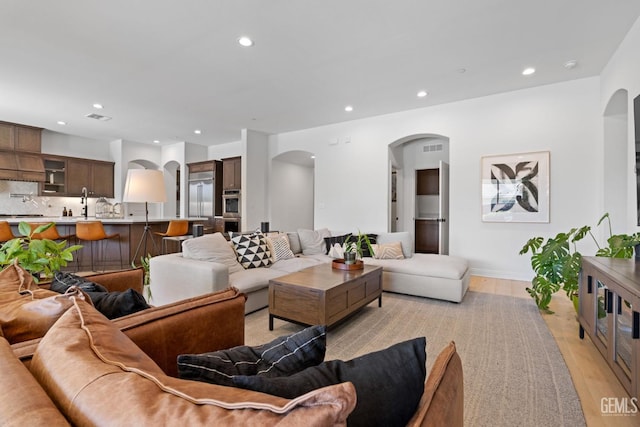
(129, 228)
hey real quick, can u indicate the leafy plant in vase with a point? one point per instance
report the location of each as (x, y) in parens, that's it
(40, 257)
(354, 247)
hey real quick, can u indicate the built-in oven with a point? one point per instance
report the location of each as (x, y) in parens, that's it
(231, 204)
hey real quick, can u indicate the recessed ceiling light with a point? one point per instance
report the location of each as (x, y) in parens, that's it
(348, 108)
(155, 141)
(422, 94)
(197, 131)
(245, 41)
(98, 106)
(313, 157)
(571, 64)
(61, 123)
(528, 71)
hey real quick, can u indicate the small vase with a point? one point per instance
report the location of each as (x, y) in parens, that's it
(349, 258)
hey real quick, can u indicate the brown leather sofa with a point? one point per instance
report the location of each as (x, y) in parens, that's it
(206, 323)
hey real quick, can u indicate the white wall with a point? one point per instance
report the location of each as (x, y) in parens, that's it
(561, 118)
(291, 196)
(255, 181)
(61, 144)
(623, 72)
(222, 151)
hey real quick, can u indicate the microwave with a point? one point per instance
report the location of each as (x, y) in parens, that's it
(231, 204)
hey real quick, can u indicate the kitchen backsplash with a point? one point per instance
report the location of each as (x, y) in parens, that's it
(21, 198)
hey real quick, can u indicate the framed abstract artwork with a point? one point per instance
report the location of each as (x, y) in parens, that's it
(515, 187)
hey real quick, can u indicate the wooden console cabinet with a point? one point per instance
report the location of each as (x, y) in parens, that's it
(609, 296)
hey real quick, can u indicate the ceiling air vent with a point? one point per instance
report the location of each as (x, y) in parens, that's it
(98, 117)
(432, 147)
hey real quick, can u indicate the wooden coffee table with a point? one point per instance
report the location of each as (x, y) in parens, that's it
(322, 295)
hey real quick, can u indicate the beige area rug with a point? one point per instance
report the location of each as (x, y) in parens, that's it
(514, 373)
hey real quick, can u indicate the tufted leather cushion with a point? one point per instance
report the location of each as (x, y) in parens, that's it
(85, 361)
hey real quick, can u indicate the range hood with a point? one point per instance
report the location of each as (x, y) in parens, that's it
(21, 166)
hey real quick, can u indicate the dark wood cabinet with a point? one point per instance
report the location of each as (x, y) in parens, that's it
(427, 182)
(20, 138)
(427, 236)
(66, 176)
(218, 225)
(232, 173)
(206, 166)
(609, 312)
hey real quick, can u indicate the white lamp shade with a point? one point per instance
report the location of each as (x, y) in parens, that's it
(144, 185)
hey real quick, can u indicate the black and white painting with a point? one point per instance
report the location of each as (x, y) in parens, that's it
(515, 187)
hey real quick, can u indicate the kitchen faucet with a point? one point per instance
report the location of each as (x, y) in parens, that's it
(84, 202)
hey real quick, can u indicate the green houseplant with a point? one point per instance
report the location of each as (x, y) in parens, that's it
(354, 247)
(40, 257)
(618, 245)
(556, 264)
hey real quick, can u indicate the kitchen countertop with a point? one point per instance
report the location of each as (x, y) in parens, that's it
(74, 219)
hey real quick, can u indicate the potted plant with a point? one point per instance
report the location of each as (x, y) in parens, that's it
(619, 245)
(40, 257)
(144, 263)
(354, 247)
(556, 263)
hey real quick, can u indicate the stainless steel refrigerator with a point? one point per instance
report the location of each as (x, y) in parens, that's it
(205, 194)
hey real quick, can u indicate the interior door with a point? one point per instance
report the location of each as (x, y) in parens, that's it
(443, 244)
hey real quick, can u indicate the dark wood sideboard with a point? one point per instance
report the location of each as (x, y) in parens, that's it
(609, 312)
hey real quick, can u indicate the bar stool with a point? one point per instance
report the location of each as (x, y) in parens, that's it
(50, 233)
(176, 231)
(93, 231)
(5, 232)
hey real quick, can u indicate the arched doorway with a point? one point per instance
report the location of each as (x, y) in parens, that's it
(292, 190)
(616, 189)
(425, 214)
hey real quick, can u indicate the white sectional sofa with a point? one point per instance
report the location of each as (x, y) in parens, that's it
(209, 263)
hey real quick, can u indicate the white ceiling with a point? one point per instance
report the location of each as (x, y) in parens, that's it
(163, 68)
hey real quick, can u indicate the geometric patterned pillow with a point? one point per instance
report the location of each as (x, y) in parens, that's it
(388, 251)
(252, 250)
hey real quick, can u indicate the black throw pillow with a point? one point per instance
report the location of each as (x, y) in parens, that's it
(330, 241)
(118, 304)
(373, 238)
(285, 355)
(389, 383)
(63, 281)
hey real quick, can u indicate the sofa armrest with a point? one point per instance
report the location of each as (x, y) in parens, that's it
(442, 402)
(174, 278)
(206, 323)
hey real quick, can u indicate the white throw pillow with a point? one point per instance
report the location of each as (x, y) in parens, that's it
(336, 251)
(212, 248)
(312, 241)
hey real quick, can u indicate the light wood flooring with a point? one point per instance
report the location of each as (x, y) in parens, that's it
(591, 376)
